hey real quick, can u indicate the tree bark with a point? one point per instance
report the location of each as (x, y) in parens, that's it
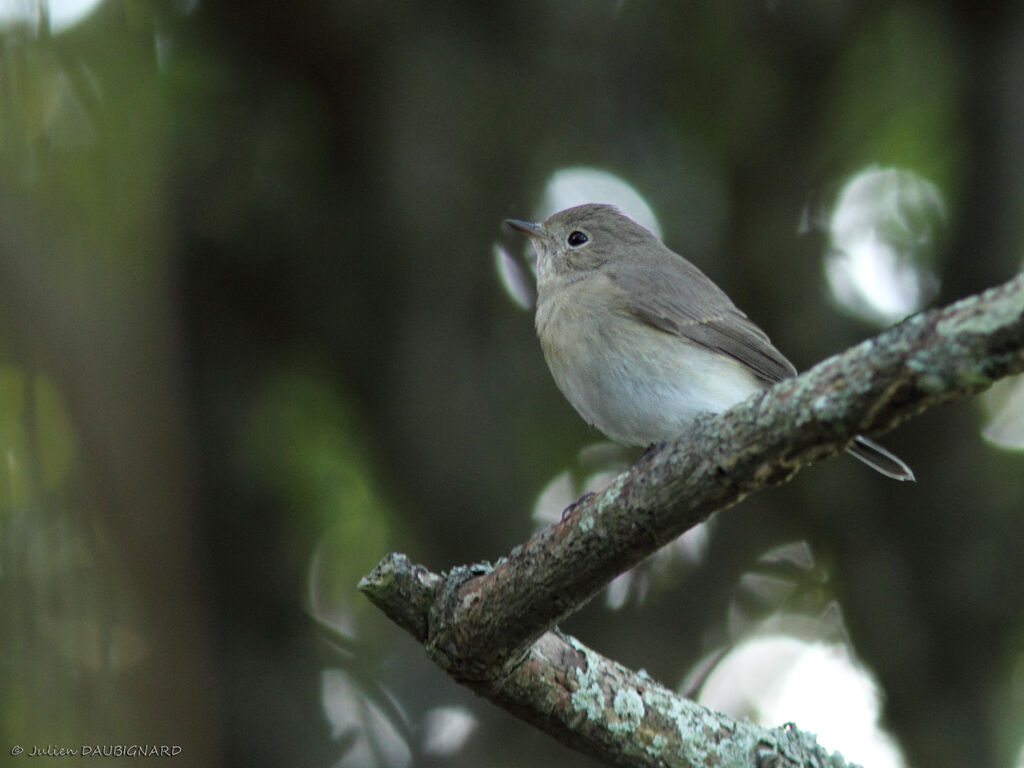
(489, 626)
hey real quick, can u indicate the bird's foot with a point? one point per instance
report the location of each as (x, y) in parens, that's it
(572, 507)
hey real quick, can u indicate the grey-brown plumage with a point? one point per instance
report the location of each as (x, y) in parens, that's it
(639, 340)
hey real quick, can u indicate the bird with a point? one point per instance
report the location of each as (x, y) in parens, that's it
(640, 341)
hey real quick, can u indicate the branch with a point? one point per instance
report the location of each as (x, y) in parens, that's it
(595, 705)
(486, 625)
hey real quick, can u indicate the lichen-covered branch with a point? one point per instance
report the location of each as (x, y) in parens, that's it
(597, 706)
(481, 622)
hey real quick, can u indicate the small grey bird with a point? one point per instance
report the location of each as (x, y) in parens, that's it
(639, 340)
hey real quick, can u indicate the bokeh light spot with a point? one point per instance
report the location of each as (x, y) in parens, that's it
(775, 679)
(62, 13)
(1005, 404)
(575, 186)
(883, 232)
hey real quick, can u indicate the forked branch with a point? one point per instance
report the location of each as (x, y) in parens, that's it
(489, 626)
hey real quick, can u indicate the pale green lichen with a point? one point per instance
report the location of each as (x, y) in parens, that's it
(609, 497)
(629, 708)
(657, 745)
(702, 736)
(929, 382)
(794, 745)
(934, 383)
(999, 311)
(589, 699)
(593, 660)
(700, 732)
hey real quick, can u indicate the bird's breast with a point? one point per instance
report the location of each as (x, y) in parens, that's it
(637, 384)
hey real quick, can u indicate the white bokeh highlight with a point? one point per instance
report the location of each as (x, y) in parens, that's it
(575, 186)
(372, 740)
(446, 729)
(776, 679)
(515, 277)
(883, 233)
(63, 14)
(1004, 403)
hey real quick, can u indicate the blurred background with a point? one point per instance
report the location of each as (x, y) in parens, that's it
(260, 325)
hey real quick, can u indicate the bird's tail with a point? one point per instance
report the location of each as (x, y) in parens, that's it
(879, 459)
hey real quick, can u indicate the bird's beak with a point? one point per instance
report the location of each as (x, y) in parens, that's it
(528, 228)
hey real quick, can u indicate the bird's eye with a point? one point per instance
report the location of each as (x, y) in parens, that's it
(576, 238)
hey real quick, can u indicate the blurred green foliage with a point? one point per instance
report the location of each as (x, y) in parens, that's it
(909, 116)
(36, 440)
(300, 442)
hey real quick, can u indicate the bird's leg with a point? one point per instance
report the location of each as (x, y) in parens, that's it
(572, 507)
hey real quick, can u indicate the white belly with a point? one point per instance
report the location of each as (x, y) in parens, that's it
(636, 384)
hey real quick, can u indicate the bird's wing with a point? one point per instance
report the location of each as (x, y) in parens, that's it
(680, 300)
